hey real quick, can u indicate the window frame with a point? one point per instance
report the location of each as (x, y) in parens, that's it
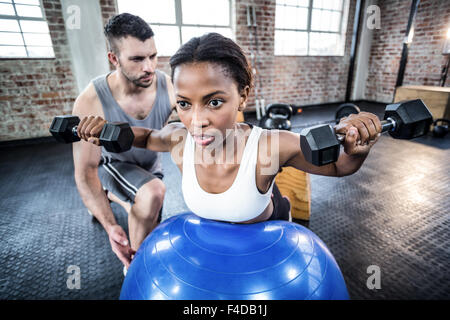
(17, 18)
(179, 21)
(308, 29)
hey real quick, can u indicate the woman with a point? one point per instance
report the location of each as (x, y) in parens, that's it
(228, 168)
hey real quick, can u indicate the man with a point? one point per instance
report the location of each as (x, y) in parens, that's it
(139, 94)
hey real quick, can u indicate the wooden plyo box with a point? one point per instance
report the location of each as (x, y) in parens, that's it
(437, 99)
(296, 185)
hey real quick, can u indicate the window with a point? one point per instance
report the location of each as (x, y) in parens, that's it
(310, 27)
(23, 30)
(176, 21)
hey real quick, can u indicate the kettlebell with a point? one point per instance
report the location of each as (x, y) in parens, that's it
(277, 116)
(439, 131)
(345, 110)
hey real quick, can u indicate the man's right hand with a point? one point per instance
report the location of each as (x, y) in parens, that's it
(120, 245)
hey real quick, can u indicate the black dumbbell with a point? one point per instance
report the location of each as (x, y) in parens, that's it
(404, 120)
(115, 136)
(277, 116)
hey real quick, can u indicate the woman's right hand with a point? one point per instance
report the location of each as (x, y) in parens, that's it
(89, 129)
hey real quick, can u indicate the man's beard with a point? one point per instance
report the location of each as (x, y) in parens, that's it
(137, 82)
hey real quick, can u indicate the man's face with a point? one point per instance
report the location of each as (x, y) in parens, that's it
(137, 60)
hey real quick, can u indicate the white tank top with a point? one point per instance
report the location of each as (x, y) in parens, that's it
(240, 202)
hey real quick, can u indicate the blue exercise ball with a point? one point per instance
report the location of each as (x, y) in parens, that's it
(190, 258)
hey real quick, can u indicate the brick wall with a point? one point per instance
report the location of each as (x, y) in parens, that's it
(33, 91)
(386, 50)
(313, 80)
(108, 8)
(424, 59)
(265, 60)
(297, 80)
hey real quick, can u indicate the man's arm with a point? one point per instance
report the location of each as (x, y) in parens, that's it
(88, 183)
(86, 158)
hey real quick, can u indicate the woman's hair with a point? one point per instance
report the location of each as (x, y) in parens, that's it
(215, 48)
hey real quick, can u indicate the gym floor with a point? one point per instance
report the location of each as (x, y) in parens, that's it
(393, 213)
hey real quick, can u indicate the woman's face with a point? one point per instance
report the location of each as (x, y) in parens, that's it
(207, 101)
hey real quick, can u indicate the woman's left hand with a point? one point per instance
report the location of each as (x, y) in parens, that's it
(361, 131)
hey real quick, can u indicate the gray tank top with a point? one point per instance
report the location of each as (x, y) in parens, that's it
(160, 112)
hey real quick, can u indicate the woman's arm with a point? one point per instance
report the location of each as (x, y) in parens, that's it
(156, 140)
(361, 133)
(163, 140)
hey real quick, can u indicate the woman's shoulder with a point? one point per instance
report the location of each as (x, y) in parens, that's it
(175, 128)
(176, 134)
(244, 126)
(277, 146)
(173, 132)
